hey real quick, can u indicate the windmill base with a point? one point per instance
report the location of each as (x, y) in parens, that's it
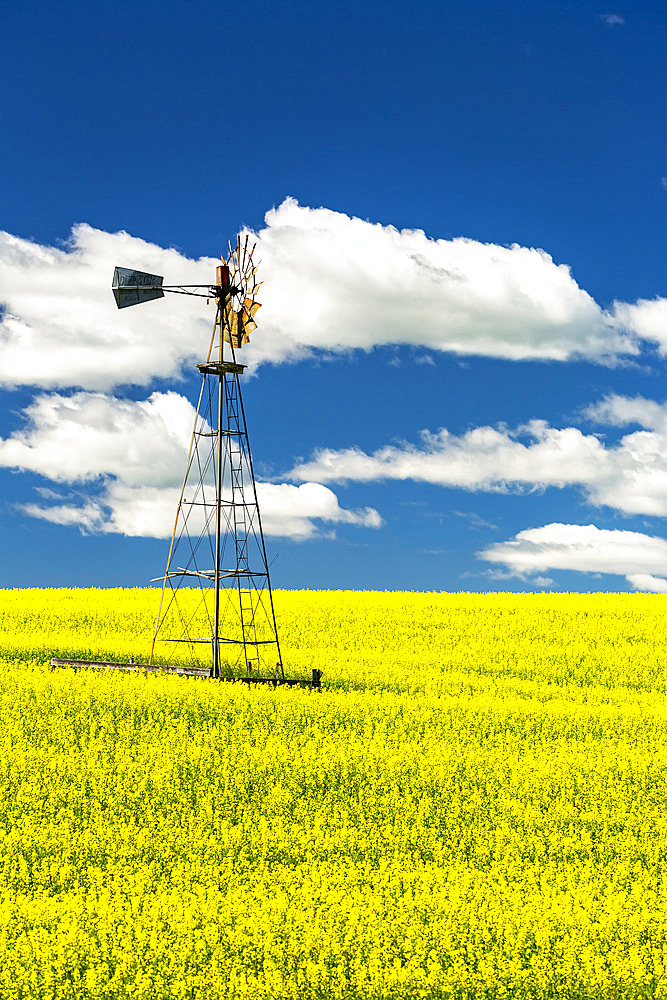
(158, 668)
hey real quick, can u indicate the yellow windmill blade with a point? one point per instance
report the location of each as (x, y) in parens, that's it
(230, 330)
(250, 307)
(228, 309)
(243, 331)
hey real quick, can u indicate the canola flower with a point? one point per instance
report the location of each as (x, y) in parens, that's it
(473, 807)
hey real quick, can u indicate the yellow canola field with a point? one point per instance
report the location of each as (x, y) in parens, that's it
(474, 805)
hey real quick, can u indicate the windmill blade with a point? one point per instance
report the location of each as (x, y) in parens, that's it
(244, 329)
(251, 307)
(228, 312)
(249, 326)
(231, 329)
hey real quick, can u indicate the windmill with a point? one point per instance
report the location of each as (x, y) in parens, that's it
(216, 608)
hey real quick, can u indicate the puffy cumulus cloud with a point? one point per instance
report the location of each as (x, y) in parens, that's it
(296, 512)
(619, 411)
(291, 510)
(646, 318)
(134, 510)
(485, 458)
(336, 283)
(133, 454)
(331, 283)
(78, 438)
(584, 548)
(60, 326)
(645, 581)
(630, 476)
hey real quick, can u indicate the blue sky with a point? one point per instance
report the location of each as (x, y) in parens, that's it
(457, 379)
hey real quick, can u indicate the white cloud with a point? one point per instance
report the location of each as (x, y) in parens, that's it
(77, 438)
(486, 458)
(619, 411)
(117, 508)
(644, 581)
(133, 454)
(613, 20)
(289, 511)
(338, 283)
(630, 476)
(584, 548)
(61, 326)
(332, 283)
(86, 516)
(646, 318)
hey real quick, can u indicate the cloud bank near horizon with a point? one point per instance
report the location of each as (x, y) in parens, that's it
(332, 284)
(115, 466)
(584, 548)
(630, 476)
(121, 462)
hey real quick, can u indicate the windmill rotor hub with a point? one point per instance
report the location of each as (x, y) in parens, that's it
(224, 292)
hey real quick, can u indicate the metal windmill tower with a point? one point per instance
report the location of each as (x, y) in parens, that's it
(216, 590)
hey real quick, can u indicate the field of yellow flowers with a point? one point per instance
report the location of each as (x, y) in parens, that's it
(474, 806)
